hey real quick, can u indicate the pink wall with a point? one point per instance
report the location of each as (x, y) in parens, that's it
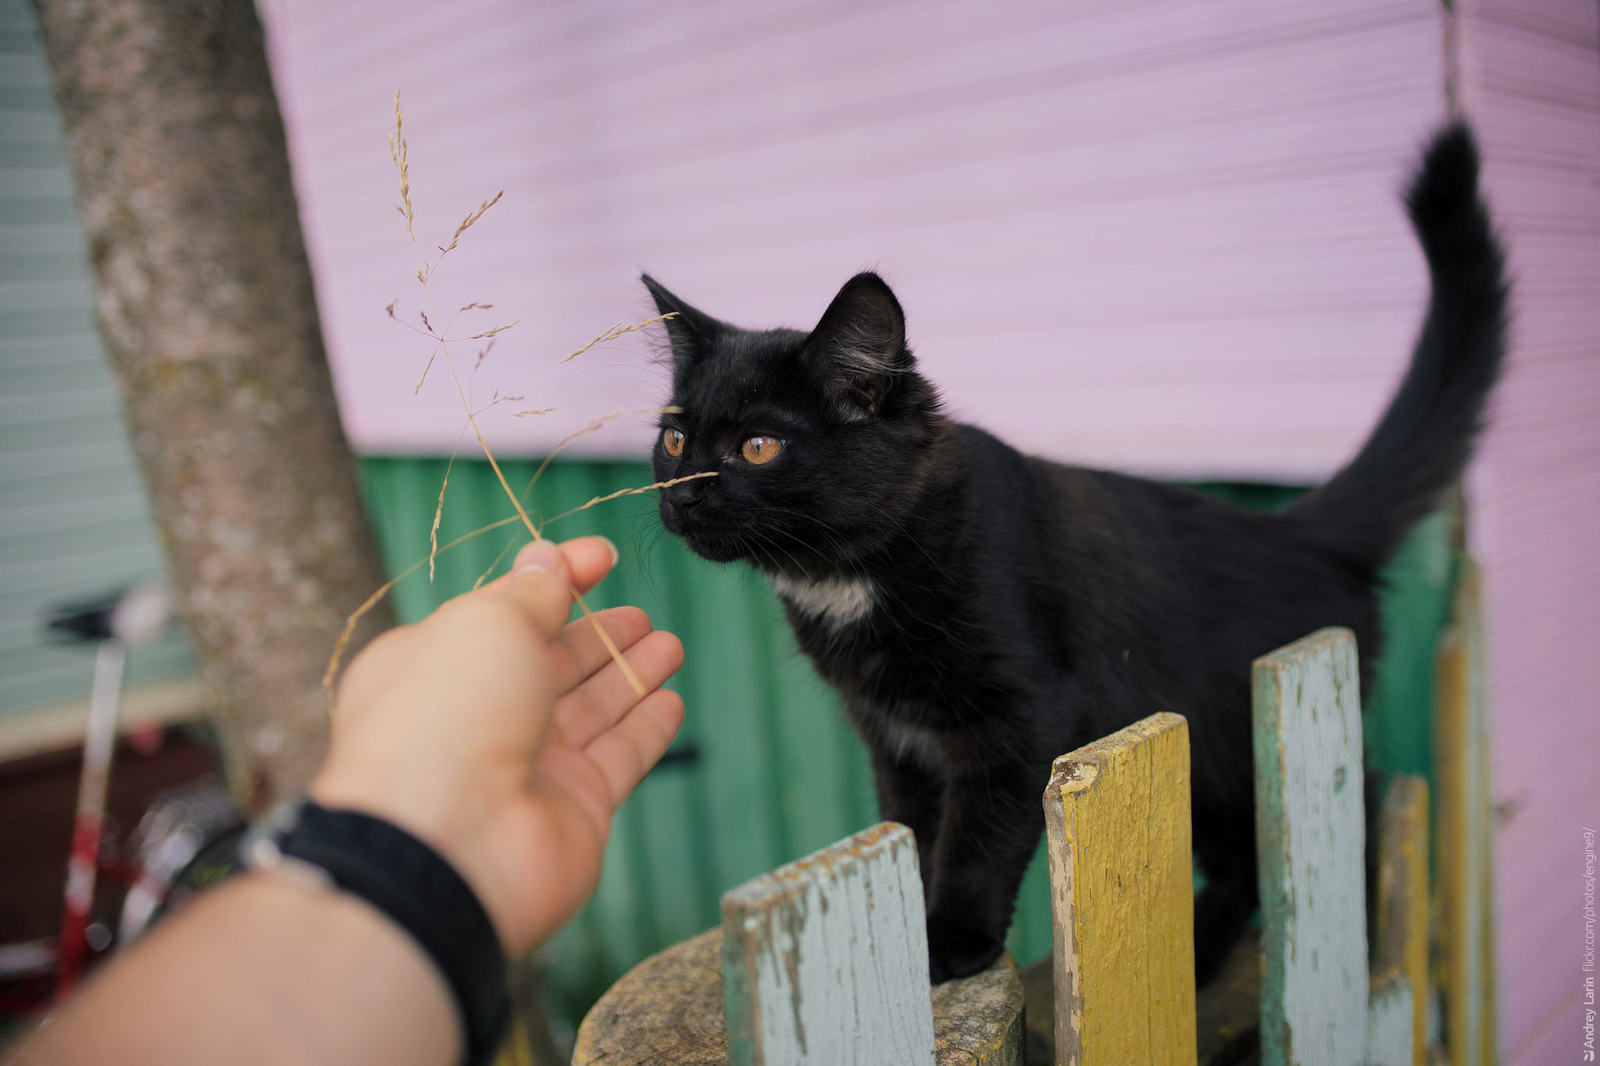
(1163, 236)
(1531, 74)
(1157, 236)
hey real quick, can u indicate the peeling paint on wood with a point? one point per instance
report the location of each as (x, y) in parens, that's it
(1310, 838)
(1389, 1022)
(1465, 908)
(825, 960)
(667, 1011)
(1402, 915)
(1117, 815)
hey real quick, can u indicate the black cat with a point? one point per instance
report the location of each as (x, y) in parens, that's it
(982, 611)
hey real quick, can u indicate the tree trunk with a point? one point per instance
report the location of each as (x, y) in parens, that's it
(206, 308)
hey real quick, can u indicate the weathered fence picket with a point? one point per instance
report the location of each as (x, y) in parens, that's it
(1465, 900)
(1402, 909)
(1389, 1021)
(822, 961)
(825, 961)
(1310, 838)
(1121, 876)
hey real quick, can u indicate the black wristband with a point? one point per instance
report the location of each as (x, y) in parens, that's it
(419, 891)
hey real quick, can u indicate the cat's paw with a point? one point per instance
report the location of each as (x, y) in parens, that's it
(1209, 956)
(1221, 917)
(955, 950)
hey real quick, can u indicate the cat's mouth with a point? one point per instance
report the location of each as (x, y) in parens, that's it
(707, 539)
(718, 547)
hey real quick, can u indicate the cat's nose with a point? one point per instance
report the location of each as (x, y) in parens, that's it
(686, 495)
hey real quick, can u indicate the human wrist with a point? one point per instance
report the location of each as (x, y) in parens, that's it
(448, 824)
(299, 964)
(406, 880)
(393, 969)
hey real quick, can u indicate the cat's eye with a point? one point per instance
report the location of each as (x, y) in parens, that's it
(672, 441)
(758, 450)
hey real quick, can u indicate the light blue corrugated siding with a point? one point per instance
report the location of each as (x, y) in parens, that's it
(73, 518)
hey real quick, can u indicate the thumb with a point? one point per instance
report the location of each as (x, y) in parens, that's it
(540, 585)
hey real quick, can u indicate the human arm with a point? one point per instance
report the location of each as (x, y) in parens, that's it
(494, 731)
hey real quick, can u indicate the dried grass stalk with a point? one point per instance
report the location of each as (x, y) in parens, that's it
(398, 153)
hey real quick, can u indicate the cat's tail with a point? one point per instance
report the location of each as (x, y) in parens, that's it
(1423, 442)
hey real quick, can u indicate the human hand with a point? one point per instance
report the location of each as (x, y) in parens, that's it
(505, 736)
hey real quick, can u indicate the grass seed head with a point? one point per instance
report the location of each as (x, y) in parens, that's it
(398, 155)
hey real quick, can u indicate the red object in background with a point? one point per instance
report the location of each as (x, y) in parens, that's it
(82, 868)
(143, 737)
(84, 858)
(37, 802)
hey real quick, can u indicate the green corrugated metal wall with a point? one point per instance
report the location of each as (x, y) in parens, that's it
(778, 773)
(1415, 605)
(775, 773)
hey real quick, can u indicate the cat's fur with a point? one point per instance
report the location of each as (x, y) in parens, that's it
(982, 611)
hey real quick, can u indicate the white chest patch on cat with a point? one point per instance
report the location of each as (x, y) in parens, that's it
(839, 601)
(914, 744)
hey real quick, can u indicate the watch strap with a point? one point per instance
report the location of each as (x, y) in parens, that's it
(419, 890)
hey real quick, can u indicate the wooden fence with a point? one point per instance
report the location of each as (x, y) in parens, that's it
(824, 961)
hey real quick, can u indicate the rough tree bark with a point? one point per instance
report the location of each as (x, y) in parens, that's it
(205, 303)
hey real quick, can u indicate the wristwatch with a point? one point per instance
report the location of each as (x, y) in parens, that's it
(377, 861)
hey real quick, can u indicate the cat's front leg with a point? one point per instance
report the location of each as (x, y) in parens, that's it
(1225, 847)
(990, 829)
(911, 796)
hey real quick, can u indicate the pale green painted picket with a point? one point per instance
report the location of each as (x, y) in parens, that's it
(1318, 1007)
(825, 960)
(1310, 837)
(1389, 1022)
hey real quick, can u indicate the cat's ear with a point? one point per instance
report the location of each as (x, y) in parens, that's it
(859, 346)
(690, 331)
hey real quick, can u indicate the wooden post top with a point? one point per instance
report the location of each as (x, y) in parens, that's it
(1121, 875)
(825, 959)
(667, 1011)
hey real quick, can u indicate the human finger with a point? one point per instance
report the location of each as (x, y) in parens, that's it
(539, 586)
(578, 652)
(588, 560)
(628, 750)
(606, 697)
(581, 562)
